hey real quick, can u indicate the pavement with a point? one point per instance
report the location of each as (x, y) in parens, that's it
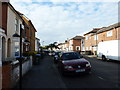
(44, 75)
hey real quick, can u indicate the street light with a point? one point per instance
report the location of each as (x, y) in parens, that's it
(20, 58)
(43, 43)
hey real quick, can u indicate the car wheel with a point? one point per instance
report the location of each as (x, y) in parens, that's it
(103, 58)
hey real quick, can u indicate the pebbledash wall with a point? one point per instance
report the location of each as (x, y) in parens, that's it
(26, 66)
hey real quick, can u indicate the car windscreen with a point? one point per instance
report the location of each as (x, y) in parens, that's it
(70, 56)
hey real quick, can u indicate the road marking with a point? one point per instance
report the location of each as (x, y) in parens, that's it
(100, 77)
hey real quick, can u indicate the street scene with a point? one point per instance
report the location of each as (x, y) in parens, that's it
(61, 44)
(47, 75)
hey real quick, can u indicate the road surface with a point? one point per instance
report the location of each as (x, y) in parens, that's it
(104, 74)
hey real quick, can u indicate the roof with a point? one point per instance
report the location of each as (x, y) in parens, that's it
(61, 43)
(32, 25)
(37, 38)
(27, 19)
(116, 25)
(94, 30)
(77, 38)
(103, 29)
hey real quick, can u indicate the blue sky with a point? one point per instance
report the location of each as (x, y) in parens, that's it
(57, 21)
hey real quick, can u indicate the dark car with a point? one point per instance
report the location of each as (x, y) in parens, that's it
(56, 56)
(72, 62)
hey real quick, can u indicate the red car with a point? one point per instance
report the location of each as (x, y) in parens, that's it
(72, 62)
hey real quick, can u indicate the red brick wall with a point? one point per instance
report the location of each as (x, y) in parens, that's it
(4, 16)
(101, 37)
(76, 43)
(0, 14)
(6, 76)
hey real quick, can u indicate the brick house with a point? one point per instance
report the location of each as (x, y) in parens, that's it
(11, 22)
(75, 43)
(97, 35)
(32, 36)
(10, 25)
(111, 32)
(29, 33)
(25, 32)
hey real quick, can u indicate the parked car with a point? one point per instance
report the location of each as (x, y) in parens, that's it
(72, 62)
(51, 53)
(56, 56)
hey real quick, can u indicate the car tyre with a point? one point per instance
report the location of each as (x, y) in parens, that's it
(103, 58)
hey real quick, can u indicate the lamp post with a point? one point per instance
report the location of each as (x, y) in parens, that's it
(20, 58)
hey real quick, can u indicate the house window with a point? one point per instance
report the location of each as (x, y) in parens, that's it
(16, 24)
(77, 48)
(70, 48)
(71, 42)
(86, 48)
(109, 33)
(86, 37)
(95, 37)
(90, 48)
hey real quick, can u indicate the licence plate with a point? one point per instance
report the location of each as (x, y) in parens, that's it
(80, 70)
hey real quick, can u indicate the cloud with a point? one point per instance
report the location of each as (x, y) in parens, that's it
(57, 21)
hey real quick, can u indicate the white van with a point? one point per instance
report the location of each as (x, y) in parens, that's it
(109, 50)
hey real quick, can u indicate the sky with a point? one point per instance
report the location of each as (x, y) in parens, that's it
(59, 20)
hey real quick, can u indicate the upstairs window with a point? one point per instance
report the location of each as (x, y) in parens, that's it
(109, 33)
(16, 24)
(95, 37)
(86, 37)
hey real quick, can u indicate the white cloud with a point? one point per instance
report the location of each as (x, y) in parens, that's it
(59, 21)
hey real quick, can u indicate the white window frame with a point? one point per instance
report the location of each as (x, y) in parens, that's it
(86, 48)
(71, 42)
(95, 37)
(90, 48)
(109, 33)
(16, 24)
(86, 38)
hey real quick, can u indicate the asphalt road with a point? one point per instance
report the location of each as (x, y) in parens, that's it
(104, 74)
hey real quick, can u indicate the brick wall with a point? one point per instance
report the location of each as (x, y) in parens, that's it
(6, 76)
(102, 36)
(4, 16)
(76, 43)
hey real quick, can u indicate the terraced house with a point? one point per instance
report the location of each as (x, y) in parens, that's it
(75, 43)
(29, 33)
(97, 35)
(11, 25)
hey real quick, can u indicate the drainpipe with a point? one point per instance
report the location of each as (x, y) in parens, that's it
(96, 44)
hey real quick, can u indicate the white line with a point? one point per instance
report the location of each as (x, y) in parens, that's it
(100, 78)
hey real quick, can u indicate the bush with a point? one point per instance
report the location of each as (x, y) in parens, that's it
(31, 53)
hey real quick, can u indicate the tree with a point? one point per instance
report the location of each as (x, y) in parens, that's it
(53, 45)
